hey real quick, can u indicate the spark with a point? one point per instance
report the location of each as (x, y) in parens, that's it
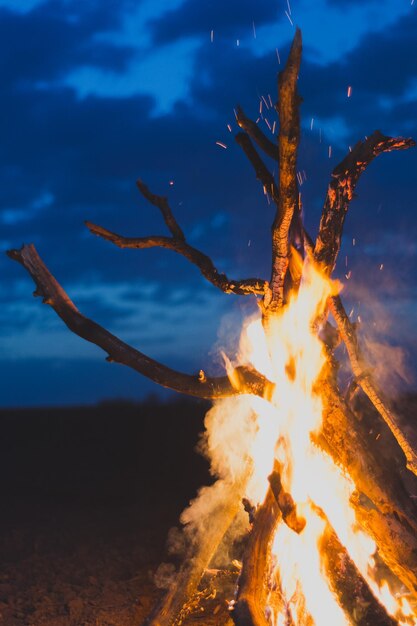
(238, 42)
(278, 57)
(171, 182)
(270, 101)
(222, 145)
(312, 123)
(349, 91)
(348, 275)
(229, 128)
(273, 127)
(381, 267)
(330, 152)
(260, 107)
(266, 104)
(254, 30)
(267, 123)
(354, 242)
(289, 18)
(289, 6)
(212, 36)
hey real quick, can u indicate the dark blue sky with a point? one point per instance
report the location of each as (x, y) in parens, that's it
(96, 94)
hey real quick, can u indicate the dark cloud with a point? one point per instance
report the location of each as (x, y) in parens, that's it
(235, 17)
(47, 42)
(344, 3)
(83, 156)
(380, 70)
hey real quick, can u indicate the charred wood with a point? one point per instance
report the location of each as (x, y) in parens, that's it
(251, 599)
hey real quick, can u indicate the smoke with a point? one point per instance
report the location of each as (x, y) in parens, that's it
(164, 576)
(383, 311)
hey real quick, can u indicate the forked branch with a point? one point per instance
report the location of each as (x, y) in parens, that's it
(177, 243)
(201, 386)
(246, 287)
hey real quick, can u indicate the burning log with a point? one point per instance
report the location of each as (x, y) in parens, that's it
(391, 516)
(174, 605)
(353, 593)
(251, 599)
(365, 380)
(285, 502)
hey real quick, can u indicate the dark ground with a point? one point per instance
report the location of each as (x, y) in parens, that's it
(88, 496)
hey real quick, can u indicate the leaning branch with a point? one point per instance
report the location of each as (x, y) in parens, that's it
(261, 171)
(341, 190)
(247, 379)
(288, 140)
(202, 261)
(252, 129)
(365, 380)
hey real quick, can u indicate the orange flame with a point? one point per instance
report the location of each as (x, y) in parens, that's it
(291, 355)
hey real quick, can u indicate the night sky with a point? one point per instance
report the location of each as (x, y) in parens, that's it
(97, 93)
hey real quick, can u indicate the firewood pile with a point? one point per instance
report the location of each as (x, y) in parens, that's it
(383, 479)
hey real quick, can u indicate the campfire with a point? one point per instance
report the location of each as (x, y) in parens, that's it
(323, 510)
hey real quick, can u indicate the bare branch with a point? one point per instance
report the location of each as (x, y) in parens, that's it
(261, 171)
(202, 261)
(253, 130)
(248, 380)
(288, 140)
(365, 380)
(162, 203)
(341, 190)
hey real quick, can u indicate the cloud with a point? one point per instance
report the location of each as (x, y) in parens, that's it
(233, 18)
(57, 38)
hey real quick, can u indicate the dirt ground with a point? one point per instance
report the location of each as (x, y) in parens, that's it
(88, 497)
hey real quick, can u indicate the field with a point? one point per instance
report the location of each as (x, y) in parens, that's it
(88, 496)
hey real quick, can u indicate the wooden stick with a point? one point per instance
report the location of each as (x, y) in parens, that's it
(173, 606)
(246, 380)
(250, 286)
(341, 191)
(352, 591)
(288, 140)
(255, 133)
(252, 593)
(366, 382)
